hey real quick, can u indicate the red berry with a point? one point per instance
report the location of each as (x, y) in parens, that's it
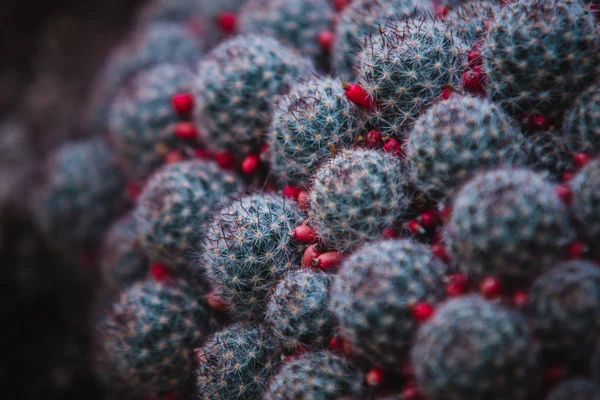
(303, 201)
(540, 122)
(347, 349)
(565, 194)
(393, 147)
(411, 393)
(473, 80)
(440, 252)
(520, 299)
(336, 344)
(374, 139)
(457, 285)
(415, 228)
(305, 234)
(226, 160)
(442, 11)
(491, 288)
(310, 254)
(264, 148)
(216, 302)
(581, 160)
(251, 164)
(227, 22)
(160, 273)
(428, 219)
(292, 192)
(326, 41)
(186, 131)
(341, 4)
(375, 377)
(328, 260)
(576, 250)
(174, 157)
(446, 213)
(203, 154)
(423, 311)
(359, 96)
(183, 103)
(390, 233)
(567, 176)
(474, 58)
(447, 94)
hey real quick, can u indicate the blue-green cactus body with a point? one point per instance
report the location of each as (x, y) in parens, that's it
(586, 204)
(582, 121)
(575, 389)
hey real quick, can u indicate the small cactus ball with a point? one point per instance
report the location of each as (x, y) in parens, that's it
(374, 294)
(297, 310)
(234, 86)
(565, 305)
(236, 363)
(575, 389)
(316, 376)
(83, 194)
(549, 153)
(586, 204)
(539, 54)
(150, 335)
(248, 247)
(295, 23)
(356, 196)
(174, 206)
(122, 260)
(582, 121)
(406, 68)
(142, 121)
(314, 120)
(473, 349)
(457, 137)
(508, 223)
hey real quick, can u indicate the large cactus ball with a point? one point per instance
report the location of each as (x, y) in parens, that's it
(235, 85)
(474, 349)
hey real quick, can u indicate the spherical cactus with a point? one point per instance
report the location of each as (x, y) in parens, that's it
(474, 349)
(142, 121)
(508, 223)
(539, 54)
(575, 389)
(236, 363)
(356, 196)
(456, 138)
(297, 310)
(363, 18)
(150, 335)
(375, 292)
(565, 304)
(122, 260)
(315, 120)
(296, 23)
(586, 204)
(549, 152)
(407, 67)
(83, 194)
(158, 44)
(582, 121)
(471, 19)
(248, 247)
(174, 206)
(234, 89)
(316, 376)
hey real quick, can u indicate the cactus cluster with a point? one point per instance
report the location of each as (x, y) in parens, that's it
(150, 334)
(356, 196)
(575, 389)
(406, 68)
(539, 54)
(316, 376)
(310, 124)
(375, 292)
(248, 247)
(142, 121)
(586, 204)
(549, 152)
(474, 349)
(234, 86)
(508, 223)
(455, 139)
(174, 206)
(582, 121)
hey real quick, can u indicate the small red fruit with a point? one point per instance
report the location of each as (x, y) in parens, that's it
(375, 377)
(474, 58)
(183, 104)
(326, 41)
(303, 201)
(336, 344)
(305, 234)
(540, 122)
(411, 393)
(328, 260)
(428, 219)
(491, 287)
(264, 148)
(186, 131)
(440, 252)
(457, 285)
(567, 176)
(251, 164)
(581, 160)
(374, 139)
(423, 311)
(226, 160)
(204, 154)
(310, 254)
(227, 22)
(565, 194)
(341, 4)
(447, 94)
(174, 157)
(473, 80)
(292, 192)
(442, 11)
(576, 250)
(160, 272)
(216, 302)
(520, 299)
(393, 147)
(358, 96)
(390, 233)
(415, 228)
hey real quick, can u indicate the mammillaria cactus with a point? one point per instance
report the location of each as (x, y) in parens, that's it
(471, 19)
(374, 294)
(174, 206)
(122, 260)
(565, 305)
(408, 66)
(474, 349)
(235, 85)
(142, 122)
(363, 18)
(297, 309)
(549, 152)
(150, 334)
(295, 23)
(508, 223)
(582, 121)
(236, 363)
(586, 203)
(457, 137)
(248, 247)
(356, 196)
(315, 120)
(575, 389)
(82, 195)
(316, 376)
(539, 54)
